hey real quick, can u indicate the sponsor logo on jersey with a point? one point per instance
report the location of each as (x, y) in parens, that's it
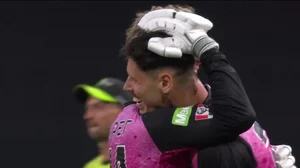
(202, 113)
(181, 116)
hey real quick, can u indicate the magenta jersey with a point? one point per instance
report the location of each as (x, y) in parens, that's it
(131, 146)
(259, 142)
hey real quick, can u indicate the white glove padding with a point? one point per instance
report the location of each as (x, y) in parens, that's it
(169, 19)
(168, 47)
(187, 29)
(283, 156)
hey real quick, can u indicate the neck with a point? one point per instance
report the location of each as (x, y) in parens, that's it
(191, 94)
(201, 92)
(103, 149)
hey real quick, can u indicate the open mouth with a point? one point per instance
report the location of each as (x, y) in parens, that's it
(137, 100)
(139, 103)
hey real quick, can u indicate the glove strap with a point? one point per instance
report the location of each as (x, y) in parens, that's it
(203, 44)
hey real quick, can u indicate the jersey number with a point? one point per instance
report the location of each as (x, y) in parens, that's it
(120, 156)
(261, 133)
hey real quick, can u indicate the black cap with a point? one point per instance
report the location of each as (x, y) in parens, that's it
(107, 90)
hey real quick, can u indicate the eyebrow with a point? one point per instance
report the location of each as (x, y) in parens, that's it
(127, 71)
(129, 75)
(133, 78)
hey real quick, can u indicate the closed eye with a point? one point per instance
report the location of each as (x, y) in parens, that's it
(132, 79)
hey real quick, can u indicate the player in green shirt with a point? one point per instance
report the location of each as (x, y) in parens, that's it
(103, 102)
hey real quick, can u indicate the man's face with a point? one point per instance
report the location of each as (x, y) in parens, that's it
(98, 117)
(143, 86)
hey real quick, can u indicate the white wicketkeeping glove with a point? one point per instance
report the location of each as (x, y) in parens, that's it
(283, 156)
(188, 31)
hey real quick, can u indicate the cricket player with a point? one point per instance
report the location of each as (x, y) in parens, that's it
(103, 102)
(154, 138)
(160, 74)
(184, 32)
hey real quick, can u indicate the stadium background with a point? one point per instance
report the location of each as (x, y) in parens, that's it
(48, 47)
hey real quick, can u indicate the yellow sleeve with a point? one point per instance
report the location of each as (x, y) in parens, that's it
(96, 163)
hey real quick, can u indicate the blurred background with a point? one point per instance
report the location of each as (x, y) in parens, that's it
(48, 47)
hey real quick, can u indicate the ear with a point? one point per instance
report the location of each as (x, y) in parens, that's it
(196, 65)
(165, 82)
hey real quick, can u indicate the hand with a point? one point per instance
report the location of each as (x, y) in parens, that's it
(187, 30)
(283, 156)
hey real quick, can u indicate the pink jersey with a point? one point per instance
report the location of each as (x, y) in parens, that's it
(260, 145)
(132, 147)
(258, 140)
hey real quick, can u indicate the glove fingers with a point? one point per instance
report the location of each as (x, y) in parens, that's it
(161, 13)
(282, 151)
(288, 162)
(276, 147)
(166, 24)
(193, 20)
(196, 21)
(164, 47)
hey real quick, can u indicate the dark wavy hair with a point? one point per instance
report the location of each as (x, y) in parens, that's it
(137, 50)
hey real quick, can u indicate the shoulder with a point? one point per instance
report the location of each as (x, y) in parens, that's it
(159, 114)
(94, 163)
(129, 106)
(128, 103)
(163, 119)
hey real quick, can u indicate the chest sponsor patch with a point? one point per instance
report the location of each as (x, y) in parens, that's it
(202, 113)
(182, 115)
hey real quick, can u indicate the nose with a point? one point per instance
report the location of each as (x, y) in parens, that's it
(87, 115)
(127, 86)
